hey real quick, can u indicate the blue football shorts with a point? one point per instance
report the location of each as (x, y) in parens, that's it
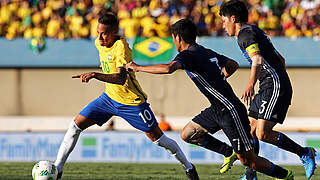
(103, 108)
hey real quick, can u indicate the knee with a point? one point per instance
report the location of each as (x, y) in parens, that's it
(74, 128)
(186, 135)
(192, 135)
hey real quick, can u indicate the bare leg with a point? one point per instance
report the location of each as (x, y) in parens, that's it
(266, 133)
(83, 123)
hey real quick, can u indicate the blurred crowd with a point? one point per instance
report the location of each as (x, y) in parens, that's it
(63, 19)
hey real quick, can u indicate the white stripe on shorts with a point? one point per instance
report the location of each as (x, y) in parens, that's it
(275, 93)
(229, 106)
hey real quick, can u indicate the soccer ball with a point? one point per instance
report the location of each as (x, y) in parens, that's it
(44, 170)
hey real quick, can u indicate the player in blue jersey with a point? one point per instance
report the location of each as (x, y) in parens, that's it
(208, 70)
(270, 105)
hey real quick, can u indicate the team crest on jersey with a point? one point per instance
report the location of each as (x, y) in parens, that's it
(109, 57)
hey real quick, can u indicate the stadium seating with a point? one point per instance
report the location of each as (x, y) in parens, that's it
(78, 18)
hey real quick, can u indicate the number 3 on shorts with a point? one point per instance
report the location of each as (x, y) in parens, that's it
(146, 117)
(262, 107)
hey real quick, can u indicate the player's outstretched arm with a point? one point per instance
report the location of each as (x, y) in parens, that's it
(116, 78)
(155, 69)
(230, 67)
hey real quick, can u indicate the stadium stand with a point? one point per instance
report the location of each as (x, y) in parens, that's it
(78, 18)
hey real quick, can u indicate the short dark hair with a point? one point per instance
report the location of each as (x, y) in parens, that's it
(185, 29)
(110, 20)
(236, 8)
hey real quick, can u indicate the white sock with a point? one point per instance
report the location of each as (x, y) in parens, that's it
(172, 147)
(69, 141)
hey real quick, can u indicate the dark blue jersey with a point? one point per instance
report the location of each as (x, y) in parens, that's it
(252, 39)
(204, 68)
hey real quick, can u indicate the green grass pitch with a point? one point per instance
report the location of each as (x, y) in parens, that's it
(122, 171)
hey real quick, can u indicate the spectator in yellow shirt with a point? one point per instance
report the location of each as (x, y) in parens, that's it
(84, 31)
(27, 33)
(53, 26)
(99, 2)
(54, 4)
(93, 27)
(46, 11)
(130, 27)
(163, 18)
(38, 31)
(139, 11)
(293, 32)
(24, 10)
(147, 25)
(76, 22)
(306, 32)
(296, 9)
(36, 16)
(5, 13)
(154, 4)
(13, 28)
(162, 30)
(162, 26)
(272, 21)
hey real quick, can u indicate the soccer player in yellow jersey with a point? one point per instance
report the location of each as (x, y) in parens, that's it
(123, 97)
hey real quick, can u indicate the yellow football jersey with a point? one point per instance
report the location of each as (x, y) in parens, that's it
(112, 58)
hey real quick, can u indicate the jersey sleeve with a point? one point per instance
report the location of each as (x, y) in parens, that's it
(183, 59)
(123, 54)
(247, 41)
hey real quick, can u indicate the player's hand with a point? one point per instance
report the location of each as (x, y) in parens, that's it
(85, 77)
(131, 66)
(248, 94)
